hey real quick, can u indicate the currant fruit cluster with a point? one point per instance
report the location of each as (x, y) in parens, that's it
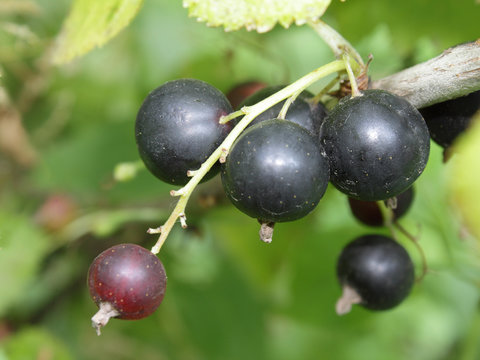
(372, 147)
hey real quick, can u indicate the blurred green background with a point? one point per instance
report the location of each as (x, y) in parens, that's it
(229, 296)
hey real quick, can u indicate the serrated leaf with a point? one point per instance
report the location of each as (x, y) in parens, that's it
(91, 23)
(259, 15)
(464, 177)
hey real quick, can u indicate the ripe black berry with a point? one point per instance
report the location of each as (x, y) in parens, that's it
(177, 128)
(127, 282)
(377, 144)
(369, 213)
(275, 172)
(301, 111)
(240, 92)
(375, 272)
(450, 118)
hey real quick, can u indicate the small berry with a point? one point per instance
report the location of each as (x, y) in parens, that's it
(240, 92)
(127, 282)
(377, 144)
(448, 119)
(375, 272)
(177, 128)
(275, 172)
(369, 213)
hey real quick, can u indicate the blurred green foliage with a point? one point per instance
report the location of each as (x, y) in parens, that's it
(229, 296)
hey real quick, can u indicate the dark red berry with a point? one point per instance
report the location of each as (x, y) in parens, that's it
(241, 91)
(127, 282)
(369, 213)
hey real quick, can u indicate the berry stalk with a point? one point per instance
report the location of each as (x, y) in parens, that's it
(250, 112)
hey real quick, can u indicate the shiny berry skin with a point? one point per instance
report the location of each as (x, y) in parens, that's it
(368, 212)
(177, 128)
(377, 144)
(240, 92)
(301, 112)
(129, 279)
(375, 272)
(448, 119)
(275, 172)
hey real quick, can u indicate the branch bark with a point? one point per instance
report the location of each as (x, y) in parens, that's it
(454, 73)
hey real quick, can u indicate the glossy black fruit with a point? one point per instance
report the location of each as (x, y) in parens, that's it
(375, 272)
(240, 92)
(177, 128)
(127, 282)
(377, 144)
(368, 212)
(301, 111)
(275, 172)
(450, 118)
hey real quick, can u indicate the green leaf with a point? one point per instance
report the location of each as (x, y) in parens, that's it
(35, 343)
(464, 177)
(22, 248)
(260, 15)
(92, 23)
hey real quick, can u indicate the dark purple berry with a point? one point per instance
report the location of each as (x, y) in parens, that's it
(127, 282)
(275, 172)
(375, 272)
(377, 144)
(368, 212)
(448, 119)
(177, 128)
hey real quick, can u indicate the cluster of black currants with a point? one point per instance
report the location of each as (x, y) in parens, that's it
(372, 147)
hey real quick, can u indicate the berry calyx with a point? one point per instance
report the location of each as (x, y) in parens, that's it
(177, 128)
(375, 272)
(377, 144)
(126, 282)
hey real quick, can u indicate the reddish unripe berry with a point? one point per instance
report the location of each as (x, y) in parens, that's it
(127, 282)
(240, 92)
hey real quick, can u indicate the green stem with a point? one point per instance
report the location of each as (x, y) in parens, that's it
(414, 240)
(231, 116)
(317, 98)
(286, 105)
(222, 151)
(335, 41)
(351, 77)
(390, 222)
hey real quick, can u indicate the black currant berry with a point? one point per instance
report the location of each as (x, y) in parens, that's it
(301, 111)
(450, 118)
(275, 172)
(240, 92)
(369, 213)
(377, 144)
(127, 282)
(375, 272)
(177, 128)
